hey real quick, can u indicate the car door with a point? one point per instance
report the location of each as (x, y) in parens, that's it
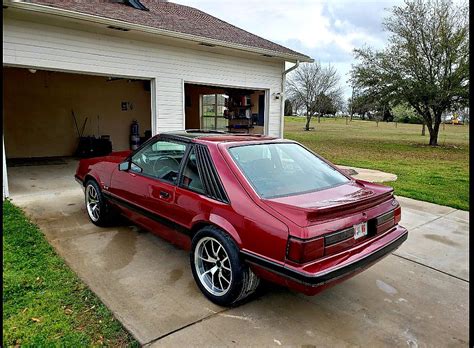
(148, 186)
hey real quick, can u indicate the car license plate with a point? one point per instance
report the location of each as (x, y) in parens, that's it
(360, 230)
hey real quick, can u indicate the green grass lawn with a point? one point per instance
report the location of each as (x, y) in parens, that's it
(44, 302)
(434, 174)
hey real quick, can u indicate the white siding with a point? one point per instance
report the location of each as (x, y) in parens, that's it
(57, 48)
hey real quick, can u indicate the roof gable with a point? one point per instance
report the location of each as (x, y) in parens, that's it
(171, 17)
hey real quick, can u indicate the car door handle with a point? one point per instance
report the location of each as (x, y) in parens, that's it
(164, 194)
(157, 192)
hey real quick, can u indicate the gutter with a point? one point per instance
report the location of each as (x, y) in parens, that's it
(282, 107)
(22, 4)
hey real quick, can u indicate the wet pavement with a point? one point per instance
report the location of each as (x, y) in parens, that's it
(416, 297)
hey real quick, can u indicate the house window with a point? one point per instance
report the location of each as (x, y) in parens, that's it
(212, 112)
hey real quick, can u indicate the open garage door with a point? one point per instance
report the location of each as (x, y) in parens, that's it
(38, 107)
(229, 109)
(46, 113)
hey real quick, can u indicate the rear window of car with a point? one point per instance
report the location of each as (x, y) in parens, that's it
(284, 169)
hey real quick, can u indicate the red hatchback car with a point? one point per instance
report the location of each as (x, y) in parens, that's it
(247, 207)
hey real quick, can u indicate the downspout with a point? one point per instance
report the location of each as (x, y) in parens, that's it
(282, 106)
(6, 192)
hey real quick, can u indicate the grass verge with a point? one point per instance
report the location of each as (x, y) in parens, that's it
(435, 174)
(44, 302)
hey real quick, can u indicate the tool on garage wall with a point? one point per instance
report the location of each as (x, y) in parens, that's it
(125, 105)
(90, 146)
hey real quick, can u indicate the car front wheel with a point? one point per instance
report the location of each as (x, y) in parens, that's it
(99, 212)
(217, 269)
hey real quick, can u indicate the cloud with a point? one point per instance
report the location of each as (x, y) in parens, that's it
(328, 31)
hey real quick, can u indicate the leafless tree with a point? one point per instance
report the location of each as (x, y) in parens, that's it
(308, 83)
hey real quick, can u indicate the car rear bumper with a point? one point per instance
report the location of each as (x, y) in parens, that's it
(313, 277)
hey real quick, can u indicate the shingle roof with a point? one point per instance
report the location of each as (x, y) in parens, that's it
(173, 17)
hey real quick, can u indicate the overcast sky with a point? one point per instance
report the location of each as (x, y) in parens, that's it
(327, 31)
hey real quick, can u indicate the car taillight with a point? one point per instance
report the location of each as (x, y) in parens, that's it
(301, 251)
(397, 215)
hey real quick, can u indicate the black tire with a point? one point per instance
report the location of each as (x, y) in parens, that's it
(243, 282)
(106, 213)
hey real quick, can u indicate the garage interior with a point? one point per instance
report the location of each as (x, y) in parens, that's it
(49, 114)
(51, 119)
(233, 110)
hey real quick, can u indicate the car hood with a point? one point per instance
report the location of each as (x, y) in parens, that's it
(113, 157)
(101, 164)
(313, 207)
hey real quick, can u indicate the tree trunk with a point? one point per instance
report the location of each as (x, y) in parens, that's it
(319, 117)
(432, 120)
(434, 134)
(434, 130)
(433, 139)
(308, 119)
(423, 130)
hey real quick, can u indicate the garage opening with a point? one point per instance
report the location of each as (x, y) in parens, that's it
(51, 119)
(234, 110)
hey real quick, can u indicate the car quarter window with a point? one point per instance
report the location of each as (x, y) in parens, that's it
(191, 177)
(160, 160)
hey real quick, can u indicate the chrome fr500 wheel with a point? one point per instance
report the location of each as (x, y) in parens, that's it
(92, 203)
(217, 268)
(213, 266)
(98, 209)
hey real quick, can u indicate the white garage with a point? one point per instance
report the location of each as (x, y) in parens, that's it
(165, 65)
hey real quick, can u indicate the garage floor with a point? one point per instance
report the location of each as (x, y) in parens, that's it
(29, 181)
(415, 297)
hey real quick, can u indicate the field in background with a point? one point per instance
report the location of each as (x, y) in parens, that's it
(439, 175)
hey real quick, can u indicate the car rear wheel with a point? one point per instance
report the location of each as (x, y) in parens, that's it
(99, 212)
(218, 270)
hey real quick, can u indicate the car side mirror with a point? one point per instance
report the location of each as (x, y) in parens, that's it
(124, 166)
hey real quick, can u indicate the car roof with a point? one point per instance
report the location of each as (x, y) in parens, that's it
(213, 136)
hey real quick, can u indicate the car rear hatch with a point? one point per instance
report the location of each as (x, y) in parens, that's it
(329, 218)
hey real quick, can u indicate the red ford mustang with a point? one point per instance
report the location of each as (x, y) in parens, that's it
(248, 208)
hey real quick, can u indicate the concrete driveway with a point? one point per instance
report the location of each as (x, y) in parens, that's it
(416, 297)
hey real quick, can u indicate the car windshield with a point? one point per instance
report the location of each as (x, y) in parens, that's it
(284, 169)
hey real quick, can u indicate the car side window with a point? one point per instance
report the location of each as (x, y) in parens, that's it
(160, 160)
(191, 178)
